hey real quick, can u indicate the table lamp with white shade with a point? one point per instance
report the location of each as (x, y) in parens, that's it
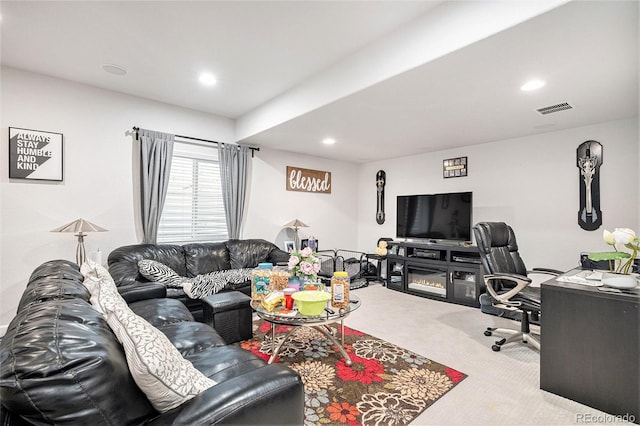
(80, 226)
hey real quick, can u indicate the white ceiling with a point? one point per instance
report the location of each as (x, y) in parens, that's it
(257, 49)
(280, 66)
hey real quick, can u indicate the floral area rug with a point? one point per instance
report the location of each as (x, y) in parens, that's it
(385, 385)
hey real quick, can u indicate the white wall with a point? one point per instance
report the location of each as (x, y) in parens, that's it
(99, 177)
(332, 218)
(530, 183)
(98, 170)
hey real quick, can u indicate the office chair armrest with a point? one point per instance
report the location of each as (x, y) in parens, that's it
(548, 271)
(520, 280)
(516, 278)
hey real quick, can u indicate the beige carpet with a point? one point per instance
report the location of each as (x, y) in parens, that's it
(502, 388)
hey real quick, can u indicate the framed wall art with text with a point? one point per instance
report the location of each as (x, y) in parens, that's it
(307, 180)
(35, 154)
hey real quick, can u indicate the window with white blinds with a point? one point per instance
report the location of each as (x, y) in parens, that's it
(193, 210)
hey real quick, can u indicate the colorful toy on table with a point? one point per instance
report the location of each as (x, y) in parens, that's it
(381, 250)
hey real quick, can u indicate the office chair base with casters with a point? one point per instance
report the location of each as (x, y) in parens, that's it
(524, 335)
(515, 337)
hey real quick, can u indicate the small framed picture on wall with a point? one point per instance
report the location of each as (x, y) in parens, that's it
(305, 243)
(289, 246)
(35, 154)
(454, 167)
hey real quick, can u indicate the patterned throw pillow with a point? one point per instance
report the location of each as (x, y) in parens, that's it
(211, 283)
(103, 290)
(156, 365)
(160, 273)
(196, 287)
(93, 269)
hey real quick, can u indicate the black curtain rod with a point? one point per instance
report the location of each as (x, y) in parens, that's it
(135, 129)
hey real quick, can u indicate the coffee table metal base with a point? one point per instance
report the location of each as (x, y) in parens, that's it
(323, 328)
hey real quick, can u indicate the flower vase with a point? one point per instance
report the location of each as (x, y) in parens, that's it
(294, 282)
(616, 280)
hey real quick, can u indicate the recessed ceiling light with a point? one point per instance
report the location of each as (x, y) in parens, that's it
(208, 79)
(532, 85)
(328, 141)
(114, 69)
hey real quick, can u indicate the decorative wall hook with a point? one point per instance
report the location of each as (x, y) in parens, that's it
(381, 180)
(589, 160)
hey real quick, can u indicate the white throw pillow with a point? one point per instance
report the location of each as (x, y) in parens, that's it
(103, 290)
(156, 365)
(160, 273)
(93, 269)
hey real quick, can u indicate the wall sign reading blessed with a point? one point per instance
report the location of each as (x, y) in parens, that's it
(308, 180)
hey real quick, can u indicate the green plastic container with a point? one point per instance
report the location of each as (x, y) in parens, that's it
(311, 302)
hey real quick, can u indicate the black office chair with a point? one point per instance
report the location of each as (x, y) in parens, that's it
(507, 281)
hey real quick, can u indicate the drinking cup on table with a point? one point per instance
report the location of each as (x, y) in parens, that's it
(288, 300)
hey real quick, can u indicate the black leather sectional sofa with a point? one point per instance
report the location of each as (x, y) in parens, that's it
(190, 260)
(60, 363)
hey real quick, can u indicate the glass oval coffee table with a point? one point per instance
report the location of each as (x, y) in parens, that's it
(281, 316)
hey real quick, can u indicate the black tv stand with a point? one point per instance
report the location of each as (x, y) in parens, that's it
(447, 243)
(441, 271)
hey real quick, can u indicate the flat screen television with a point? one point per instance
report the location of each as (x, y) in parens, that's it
(435, 216)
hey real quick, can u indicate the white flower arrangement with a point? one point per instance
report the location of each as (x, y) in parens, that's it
(617, 263)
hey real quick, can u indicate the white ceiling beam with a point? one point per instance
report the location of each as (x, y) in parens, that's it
(444, 29)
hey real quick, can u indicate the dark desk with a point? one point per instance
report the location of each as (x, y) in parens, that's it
(590, 347)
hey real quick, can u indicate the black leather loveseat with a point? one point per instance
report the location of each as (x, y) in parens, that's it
(60, 363)
(190, 260)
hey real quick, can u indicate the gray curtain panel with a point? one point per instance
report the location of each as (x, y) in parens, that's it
(234, 162)
(156, 150)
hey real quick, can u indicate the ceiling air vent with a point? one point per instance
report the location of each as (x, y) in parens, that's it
(554, 108)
